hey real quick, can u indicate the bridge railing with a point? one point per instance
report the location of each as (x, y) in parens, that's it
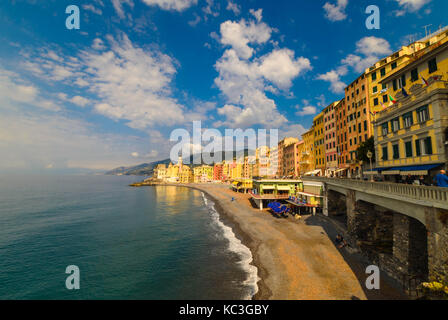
(430, 194)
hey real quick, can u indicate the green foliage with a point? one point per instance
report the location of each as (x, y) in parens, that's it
(364, 148)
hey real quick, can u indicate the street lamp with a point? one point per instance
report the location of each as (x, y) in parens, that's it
(370, 155)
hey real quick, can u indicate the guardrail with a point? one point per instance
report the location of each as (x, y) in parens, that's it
(430, 194)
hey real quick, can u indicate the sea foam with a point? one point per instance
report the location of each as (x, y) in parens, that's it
(236, 246)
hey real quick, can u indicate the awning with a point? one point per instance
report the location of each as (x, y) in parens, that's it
(283, 188)
(268, 188)
(412, 170)
(341, 170)
(312, 173)
(371, 172)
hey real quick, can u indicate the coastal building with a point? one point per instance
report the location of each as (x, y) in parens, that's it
(281, 149)
(307, 159)
(160, 172)
(359, 121)
(319, 144)
(242, 185)
(291, 159)
(411, 136)
(236, 170)
(265, 191)
(273, 170)
(330, 139)
(247, 168)
(341, 138)
(203, 174)
(217, 172)
(262, 162)
(179, 173)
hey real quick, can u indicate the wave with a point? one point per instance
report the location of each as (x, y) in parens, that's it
(236, 246)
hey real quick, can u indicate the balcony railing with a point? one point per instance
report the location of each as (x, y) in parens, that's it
(434, 195)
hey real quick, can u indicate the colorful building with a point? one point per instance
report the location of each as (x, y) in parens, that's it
(307, 160)
(160, 172)
(203, 174)
(358, 121)
(217, 172)
(342, 139)
(281, 149)
(411, 136)
(242, 185)
(271, 190)
(319, 144)
(330, 139)
(273, 169)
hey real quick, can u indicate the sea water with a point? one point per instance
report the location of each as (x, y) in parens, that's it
(128, 243)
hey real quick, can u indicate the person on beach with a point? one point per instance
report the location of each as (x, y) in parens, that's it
(441, 179)
(340, 242)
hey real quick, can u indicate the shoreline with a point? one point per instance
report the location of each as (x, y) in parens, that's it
(296, 260)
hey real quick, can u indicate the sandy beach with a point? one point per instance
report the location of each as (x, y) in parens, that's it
(296, 259)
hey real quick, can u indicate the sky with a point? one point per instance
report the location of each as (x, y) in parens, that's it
(111, 93)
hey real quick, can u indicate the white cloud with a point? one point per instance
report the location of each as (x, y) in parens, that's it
(14, 90)
(306, 111)
(176, 5)
(337, 86)
(244, 79)
(411, 5)
(234, 7)
(336, 12)
(240, 34)
(119, 7)
(133, 84)
(368, 51)
(92, 8)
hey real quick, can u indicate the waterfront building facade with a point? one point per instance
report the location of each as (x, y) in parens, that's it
(411, 136)
(203, 174)
(217, 172)
(358, 121)
(330, 139)
(273, 170)
(281, 149)
(319, 144)
(291, 159)
(341, 137)
(307, 160)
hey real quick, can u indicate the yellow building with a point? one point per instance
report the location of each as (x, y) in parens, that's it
(242, 185)
(378, 89)
(248, 167)
(203, 174)
(307, 162)
(160, 172)
(411, 136)
(262, 162)
(236, 170)
(179, 173)
(319, 143)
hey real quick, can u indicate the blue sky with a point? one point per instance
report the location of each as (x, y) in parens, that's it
(111, 93)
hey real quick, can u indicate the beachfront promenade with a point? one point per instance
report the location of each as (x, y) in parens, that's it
(410, 221)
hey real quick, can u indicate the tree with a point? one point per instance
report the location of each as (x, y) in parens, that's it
(364, 148)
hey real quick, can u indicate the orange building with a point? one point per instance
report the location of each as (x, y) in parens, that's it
(341, 137)
(330, 139)
(291, 159)
(358, 121)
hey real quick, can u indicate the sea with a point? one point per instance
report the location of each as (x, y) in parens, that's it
(151, 243)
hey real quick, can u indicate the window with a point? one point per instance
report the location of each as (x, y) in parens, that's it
(393, 65)
(365, 125)
(396, 150)
(385, 98)
(394, 83)
(422, 114)
(395, 125)
(384, 86)
(363, 87)
(355, 141)
(408, 145)
(418, 151)
(432, 65)
(383, 72)
(385, 153)
(374, 76)
(403, 81)
(375, 89)
(385, 129)
(375, 101)
(414, 75)
(407, 120)
(359, 127)
(428, 145)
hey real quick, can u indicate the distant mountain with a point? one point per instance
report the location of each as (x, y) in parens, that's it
(147, 169)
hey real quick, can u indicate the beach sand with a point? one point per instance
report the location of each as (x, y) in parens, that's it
(296, 260)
